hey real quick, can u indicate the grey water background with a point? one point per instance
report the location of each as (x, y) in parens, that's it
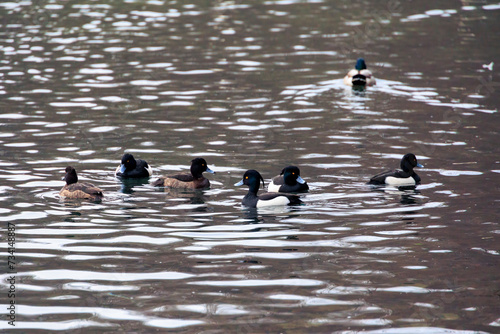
(251, 84)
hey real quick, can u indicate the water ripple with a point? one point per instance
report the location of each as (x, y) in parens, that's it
(82, 275)
(259, 283)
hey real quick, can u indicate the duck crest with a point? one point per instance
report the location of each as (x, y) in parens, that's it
(252, 179)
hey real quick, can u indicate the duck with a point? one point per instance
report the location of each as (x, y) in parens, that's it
(195, 180)
(252, 179)
(360, 76)
(404, 177)
(132, 168)
(289, 181)
(75, 189)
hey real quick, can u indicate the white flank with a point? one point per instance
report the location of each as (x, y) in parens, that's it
(280, 200)
(397, 181)
(273, 188)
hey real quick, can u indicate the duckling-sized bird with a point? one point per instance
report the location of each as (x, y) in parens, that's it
(75, 189)
(252, 179)
(131, 168)
(289, 181)
(360, 76)
(404, 177)
(195, 180)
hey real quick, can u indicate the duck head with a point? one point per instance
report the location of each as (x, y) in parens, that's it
(252, 179)
(198, 166)
(128, 163)
(291, 175)
(360, 64)
(70, 176)
(409, 161)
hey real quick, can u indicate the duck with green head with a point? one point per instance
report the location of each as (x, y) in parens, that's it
(360, 76)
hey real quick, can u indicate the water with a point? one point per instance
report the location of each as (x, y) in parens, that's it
(251, 85)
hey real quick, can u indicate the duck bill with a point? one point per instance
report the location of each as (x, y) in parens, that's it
(122, 168)
(419, 165)
(300, 180)
(210, 171)
(237, 184)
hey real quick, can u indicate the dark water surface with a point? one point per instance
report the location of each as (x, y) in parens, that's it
(255, 84)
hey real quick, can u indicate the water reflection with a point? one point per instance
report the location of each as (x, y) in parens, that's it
(127, 185)
(407, 194)
(192, 200)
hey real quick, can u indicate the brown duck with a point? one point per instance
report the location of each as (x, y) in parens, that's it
(75, 189)
(195, 180)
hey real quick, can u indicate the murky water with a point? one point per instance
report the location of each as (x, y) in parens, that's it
(251, 85)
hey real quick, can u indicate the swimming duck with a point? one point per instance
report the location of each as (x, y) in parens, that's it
(195, 180)
(404, 177)
(252, 179)
(360, 76)
(289, 181)
(131, 168)
(75, 189)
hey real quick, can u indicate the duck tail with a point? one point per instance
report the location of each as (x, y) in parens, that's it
(359, 80)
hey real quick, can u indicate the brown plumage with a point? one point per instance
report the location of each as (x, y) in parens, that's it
(75, 189)
(195, 180)
(175, 181)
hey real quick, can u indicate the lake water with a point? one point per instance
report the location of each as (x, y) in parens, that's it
(250, 85)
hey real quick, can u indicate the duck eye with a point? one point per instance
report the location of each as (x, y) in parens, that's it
(246, 177)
